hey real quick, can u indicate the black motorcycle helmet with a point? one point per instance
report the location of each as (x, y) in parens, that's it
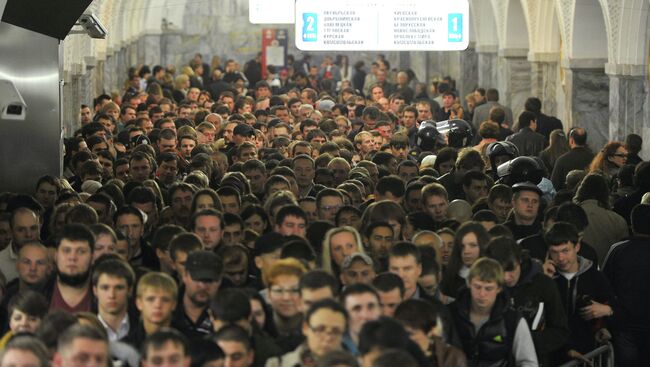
(500, 152)
(459, 132)
(428, 137)
(520, 169)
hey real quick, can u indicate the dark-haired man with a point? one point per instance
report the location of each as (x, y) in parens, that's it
(113, 282)
(70, 288)
(578, 157)
(166, 347)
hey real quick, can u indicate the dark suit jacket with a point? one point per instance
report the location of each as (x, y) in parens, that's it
(528, 142)
(576, 158)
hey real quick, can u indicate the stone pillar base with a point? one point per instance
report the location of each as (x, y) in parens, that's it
(588, 101)
(627, 98)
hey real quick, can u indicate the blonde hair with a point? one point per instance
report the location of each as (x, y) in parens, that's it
(288, 266)
(180, 81)
(486, 270)
(327, 248)
(158, 281)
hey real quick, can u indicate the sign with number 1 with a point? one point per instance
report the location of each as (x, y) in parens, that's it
(310, 27)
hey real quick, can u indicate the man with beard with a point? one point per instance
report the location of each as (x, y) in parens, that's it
(180, 196)
(70, 287)
(201, 280)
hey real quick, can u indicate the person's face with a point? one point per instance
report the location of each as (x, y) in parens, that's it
(140, 169)
(283, 115)
(470, 250)
(228, 101)
(437, 206)
(407, 268)
(129, 115)
(26, 227)
(255, 223)
(358, 272)
(565, 256)
(309, 207)
(476, 190)
(512, 277)
(619, 158)
(193, 94)
(407, 173)
(429, 283)
(228, 132)
(483, 293)
(230, 204)
(361, 308)
(389, 301)
(447, 101)
(324, 331)
(14, 357)
(236, 354)
(232, 234)
(409, 119)
(329, 205)
(167, 145)
(351, 219)
(292, 225)
(209, 135)
(184, 113)
(208, 228)
(395, 105)
(73, 257)
(342, 244)
(413, 201)
(169, 354)
(257, 312)
(86, 115)
(526, 205)
(304, 170)
(32, 265)
(156, 306)
(104, 244)
(424, 112)
(377, 142)
(46, 194)
(107, 166)
(131, 226)
(122, 172)
(247, 154)
(167, 171)
(501, 208)
(295, 109)
(447, 246)
(181, 203)
(5, 234)
(187, 145)
(112, 295)
(22, 322)
(381, 240)
(151, 211)
(445, 166)
(199, 292)
(256, 179)
(204, 202)
(366, 145)
(310, 296)
(83, 352)
(284, 295)
(377, 93)
(383, 103)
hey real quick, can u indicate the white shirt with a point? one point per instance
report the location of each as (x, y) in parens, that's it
(121, 331)
(8, 259)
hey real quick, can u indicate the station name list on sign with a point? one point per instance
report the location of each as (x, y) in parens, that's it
(383, 25)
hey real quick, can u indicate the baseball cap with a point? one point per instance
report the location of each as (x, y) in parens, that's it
(204, 265)
(526, 186)
(243, 130)
(349, 260)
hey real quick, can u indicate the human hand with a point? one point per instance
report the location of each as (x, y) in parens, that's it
(595, 311)
(603, 336)
(549, 267)
(574, 354)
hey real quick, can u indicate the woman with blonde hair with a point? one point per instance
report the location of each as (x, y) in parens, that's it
(339, 242)
(181, 87)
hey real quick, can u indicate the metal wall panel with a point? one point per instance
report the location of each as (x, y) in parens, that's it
(33, 147)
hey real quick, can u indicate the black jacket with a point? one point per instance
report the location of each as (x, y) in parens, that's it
(626, 267)
(537, 249)
(528, 142)
(492, 343)
(546, 124)
(587, 282)
(532, 289)
(576, 158)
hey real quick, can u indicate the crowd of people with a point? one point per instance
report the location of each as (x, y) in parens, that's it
(322, 216)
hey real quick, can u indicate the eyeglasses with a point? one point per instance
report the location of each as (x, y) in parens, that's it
(321, 330)
(279, 292)
(620, 155)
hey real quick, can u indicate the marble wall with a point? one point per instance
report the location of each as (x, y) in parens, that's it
(487, 69)
(513, 82)
(544, 77)
(627, 97)
(468, 80)
(588, 102)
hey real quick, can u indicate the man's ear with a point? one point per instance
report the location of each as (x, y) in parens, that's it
(258, 262)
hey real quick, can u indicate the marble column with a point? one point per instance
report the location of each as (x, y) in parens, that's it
(468, 79)
(149, 46)
(487, 66)
(513, 79)
(628, 91)
(588, 99)
(544, 78)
